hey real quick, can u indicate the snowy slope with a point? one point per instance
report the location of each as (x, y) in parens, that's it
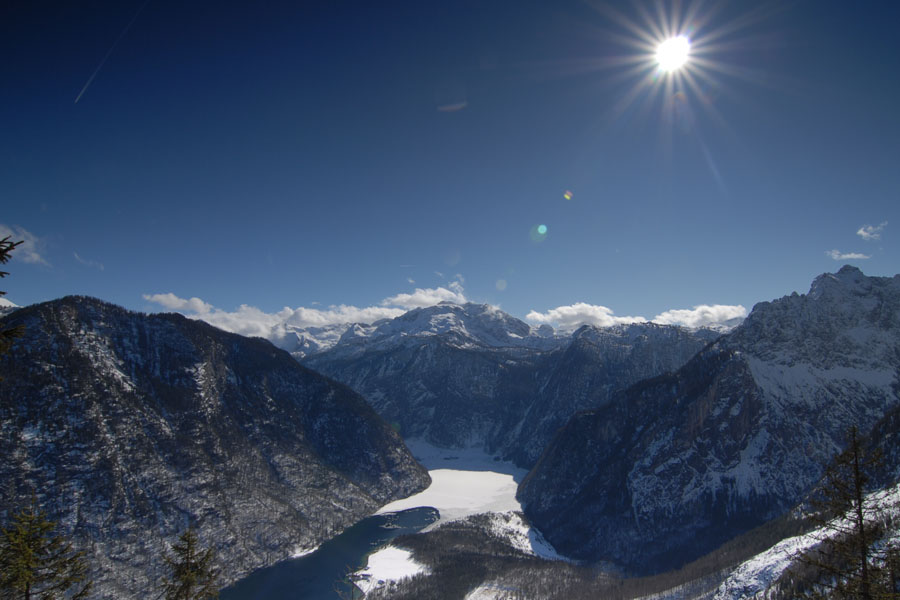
(755, 576)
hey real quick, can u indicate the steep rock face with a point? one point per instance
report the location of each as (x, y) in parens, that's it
(676, 465)
(586, 374)
(472, 375)
(129, 427)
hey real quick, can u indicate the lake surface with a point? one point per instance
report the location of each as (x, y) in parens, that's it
(321, 574)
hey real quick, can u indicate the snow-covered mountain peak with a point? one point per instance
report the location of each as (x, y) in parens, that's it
(470, 323)
(356, 331)
(846, 315)
(630, 334)
(848, 280)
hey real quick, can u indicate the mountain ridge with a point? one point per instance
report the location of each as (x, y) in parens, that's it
(129, 427)
(730, 440)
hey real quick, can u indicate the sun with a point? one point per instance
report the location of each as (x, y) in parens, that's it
(673, 53)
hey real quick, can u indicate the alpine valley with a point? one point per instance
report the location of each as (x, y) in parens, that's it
(649, 447)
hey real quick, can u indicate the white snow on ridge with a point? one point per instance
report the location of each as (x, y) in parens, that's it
(493, 591)
(757, 574)
(522, 536)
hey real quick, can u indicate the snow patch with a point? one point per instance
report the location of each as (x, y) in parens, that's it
(522, 536)
(301, 552)
(492, 591)
(387, 565)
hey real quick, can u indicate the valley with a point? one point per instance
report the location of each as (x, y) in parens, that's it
(639, 458)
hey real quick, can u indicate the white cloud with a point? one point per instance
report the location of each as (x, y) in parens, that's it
(337, 314)
(428, 297)
(89, 263)
(703, 315)
(173, 302)
(838, 255)
(568, 318)
(251, 321)
(31, 247)
(871, 233)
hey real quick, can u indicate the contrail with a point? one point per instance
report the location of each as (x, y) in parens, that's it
(110, 51)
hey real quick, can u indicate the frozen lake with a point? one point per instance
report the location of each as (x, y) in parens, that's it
(464, 482)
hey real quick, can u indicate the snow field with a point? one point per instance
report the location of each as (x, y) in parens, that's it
(386, 565)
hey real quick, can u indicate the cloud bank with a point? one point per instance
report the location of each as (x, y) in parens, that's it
(569, 318)
(251, 321)
(702, 315)
(575, 315)
(31, 247)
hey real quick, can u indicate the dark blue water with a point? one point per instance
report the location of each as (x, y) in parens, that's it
(323, 574)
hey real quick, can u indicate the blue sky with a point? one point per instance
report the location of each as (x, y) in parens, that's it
(318, 154)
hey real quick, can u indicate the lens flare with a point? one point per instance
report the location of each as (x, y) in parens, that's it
(538, 233)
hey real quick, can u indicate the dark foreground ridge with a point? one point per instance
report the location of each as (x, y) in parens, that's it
(129, 427)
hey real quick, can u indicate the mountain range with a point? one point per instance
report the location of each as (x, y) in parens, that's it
(471, 375)
(648, 445)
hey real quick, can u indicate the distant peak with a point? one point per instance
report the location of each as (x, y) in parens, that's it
(850, 269)
(847, 278)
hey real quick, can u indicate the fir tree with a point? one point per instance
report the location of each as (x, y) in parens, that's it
(194, 576)
(843, 563)
(7, 335)
(36, 563)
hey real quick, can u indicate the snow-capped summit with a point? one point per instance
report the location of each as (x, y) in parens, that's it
(480, 324)
(846, 319)
(467, 325)
(4, 303)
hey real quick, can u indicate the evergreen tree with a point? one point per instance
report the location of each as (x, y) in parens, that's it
(843, 563)
(194, 576)
(7, 335)
(36, 563)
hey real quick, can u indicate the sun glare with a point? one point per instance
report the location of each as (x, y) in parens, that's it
(673, 53)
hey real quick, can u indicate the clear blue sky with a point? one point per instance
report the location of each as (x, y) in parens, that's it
(308, 154)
